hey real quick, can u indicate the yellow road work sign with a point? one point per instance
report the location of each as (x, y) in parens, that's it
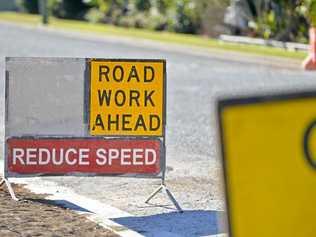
(269, 157)
(127, 97)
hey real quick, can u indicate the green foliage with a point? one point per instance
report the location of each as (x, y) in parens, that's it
(30, 6)
(183, 16)
(311, 6)
(284, 20)
(101, 5)
(106, 11)
(143, 5)
(94, 15)
(173, 15)
(187, 18)
(69, 9)
(164, 5)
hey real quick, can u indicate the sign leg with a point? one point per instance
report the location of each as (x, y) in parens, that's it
(154, 193)
(173, 200)
(11, 191)
(169, 194)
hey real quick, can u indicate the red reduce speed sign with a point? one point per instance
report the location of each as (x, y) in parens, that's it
(65, 156)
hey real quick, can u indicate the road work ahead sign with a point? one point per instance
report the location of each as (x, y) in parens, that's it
(269, 157)
(127, 97)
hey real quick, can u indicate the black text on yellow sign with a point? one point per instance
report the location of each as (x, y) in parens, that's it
(127, 97)
(269, 157)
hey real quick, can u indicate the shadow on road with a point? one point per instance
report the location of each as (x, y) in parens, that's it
(61, 203)
(188, 223)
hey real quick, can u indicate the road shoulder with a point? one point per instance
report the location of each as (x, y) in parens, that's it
(35, 215)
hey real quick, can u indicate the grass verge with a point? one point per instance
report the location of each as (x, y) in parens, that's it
(167, 37)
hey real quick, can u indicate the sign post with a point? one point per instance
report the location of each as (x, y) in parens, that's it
(43, 8)
(4, 180)
(268, 149)
(85, 117)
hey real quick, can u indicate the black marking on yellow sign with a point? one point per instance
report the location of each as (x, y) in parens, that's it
(306, 144)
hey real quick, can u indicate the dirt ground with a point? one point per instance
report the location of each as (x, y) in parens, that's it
(36, 216)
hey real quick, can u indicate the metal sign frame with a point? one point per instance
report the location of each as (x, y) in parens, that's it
(86, 124)
(86, 115)
(223, 103)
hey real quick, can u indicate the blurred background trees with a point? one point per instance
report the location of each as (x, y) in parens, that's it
(285, 20)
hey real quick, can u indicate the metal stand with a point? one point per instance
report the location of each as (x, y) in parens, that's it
(163, 187)
(7, 183)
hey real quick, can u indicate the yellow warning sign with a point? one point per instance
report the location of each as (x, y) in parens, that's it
(127, 97)
(269, 157)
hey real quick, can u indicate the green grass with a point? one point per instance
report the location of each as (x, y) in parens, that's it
(168, 37)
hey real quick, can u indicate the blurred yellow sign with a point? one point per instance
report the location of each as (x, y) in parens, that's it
(127, 97)
(269, 157)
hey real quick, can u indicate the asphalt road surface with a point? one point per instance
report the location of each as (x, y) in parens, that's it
(195, 80)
